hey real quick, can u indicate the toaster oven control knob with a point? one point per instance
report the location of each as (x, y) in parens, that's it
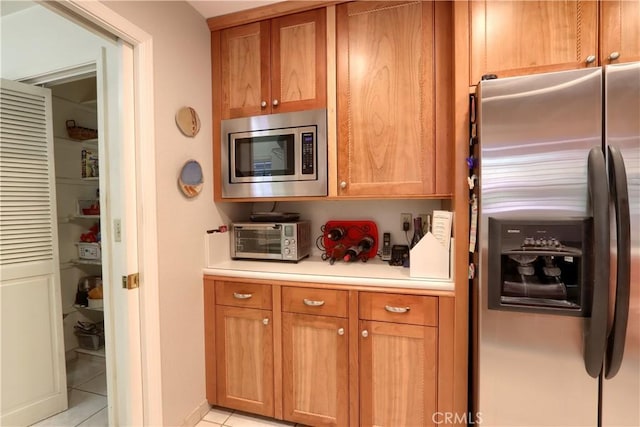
(275, 102)
(286, 242)
(287, 251)
(293, 241)
(263, 104)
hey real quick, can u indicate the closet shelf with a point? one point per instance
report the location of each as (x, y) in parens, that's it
(86, 261)
(82, 307)
(92, 142)
(70, 218)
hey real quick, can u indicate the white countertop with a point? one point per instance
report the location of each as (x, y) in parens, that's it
(313, 269)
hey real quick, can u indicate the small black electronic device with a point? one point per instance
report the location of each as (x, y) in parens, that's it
(399, 254)
(386, 247)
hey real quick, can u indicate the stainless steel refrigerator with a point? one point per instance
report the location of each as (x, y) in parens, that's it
(556, 299)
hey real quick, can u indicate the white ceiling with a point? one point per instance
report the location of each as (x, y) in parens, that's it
(210, 8)
(206, 8)
(9, 7)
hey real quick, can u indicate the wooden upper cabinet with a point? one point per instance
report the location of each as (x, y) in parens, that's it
(273, 66)
(299, 61)
(386, 73)
(619, 31)
(244, 65)
(526, 37)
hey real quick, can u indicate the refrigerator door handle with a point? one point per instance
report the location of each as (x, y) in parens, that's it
(620, 194)
(595, 337)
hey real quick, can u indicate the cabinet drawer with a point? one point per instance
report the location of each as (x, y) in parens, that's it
(398, 308)
(326, 302)
(243, 295)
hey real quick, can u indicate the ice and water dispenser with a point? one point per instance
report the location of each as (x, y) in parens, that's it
(540, 265)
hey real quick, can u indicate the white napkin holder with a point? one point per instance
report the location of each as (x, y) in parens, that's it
(430, 259)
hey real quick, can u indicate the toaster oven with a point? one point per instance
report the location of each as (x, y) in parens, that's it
(287, 241)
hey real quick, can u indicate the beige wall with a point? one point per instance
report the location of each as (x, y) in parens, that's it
(182, 76)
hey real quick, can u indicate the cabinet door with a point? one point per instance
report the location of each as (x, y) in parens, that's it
(524, 37)
(245, 359)
(315, 369)
(244, 67)
(298, 62)
(385, 64)
(397, 374)
(619, 31)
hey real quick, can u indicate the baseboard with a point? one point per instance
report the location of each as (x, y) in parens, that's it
(197, 415)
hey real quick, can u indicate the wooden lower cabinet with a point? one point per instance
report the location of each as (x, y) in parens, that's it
(397, 374)
(326, 357)
(315, 369)
(398, 367)
(244, 353)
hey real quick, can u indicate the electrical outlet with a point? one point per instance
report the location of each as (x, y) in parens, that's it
(424, 223)
(406, 221)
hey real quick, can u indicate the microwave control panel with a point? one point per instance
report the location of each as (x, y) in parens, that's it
(308, 161)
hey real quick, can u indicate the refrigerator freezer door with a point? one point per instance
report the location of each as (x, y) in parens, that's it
(621, 394)
(535, 136)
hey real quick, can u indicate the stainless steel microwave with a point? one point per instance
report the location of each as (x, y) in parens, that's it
(287, 241)
(275, 155)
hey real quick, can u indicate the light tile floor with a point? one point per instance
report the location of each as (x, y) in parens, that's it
(87, 393)
(225, 417)
(87, 388)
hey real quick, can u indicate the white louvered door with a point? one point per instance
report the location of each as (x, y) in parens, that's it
(32, 360)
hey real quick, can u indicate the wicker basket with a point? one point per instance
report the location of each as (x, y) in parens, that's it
(80, 133)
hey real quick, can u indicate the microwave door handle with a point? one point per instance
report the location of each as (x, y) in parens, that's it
(620, 194)
(595, 337)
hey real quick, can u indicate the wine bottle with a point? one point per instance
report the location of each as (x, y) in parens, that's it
(356, 251)
(335, 234)
(417, 231)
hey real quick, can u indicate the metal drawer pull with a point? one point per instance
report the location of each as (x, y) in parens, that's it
(341, 331)
(265, 321)
(365, 333)
(242, 296)
(312, 303)
(396, 309)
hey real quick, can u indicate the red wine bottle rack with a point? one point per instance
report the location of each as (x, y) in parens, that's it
(354, 232)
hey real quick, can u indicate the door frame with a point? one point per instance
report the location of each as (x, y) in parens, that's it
(146, 218)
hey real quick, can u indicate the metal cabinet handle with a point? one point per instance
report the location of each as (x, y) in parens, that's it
(365, 333)
(312, 303)
(613, 56)
(590, 59)
(343, 184)
(275, 102)
(242, 296)
(263, 104)
(396, 309)
(265, 321)
(341, 331)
